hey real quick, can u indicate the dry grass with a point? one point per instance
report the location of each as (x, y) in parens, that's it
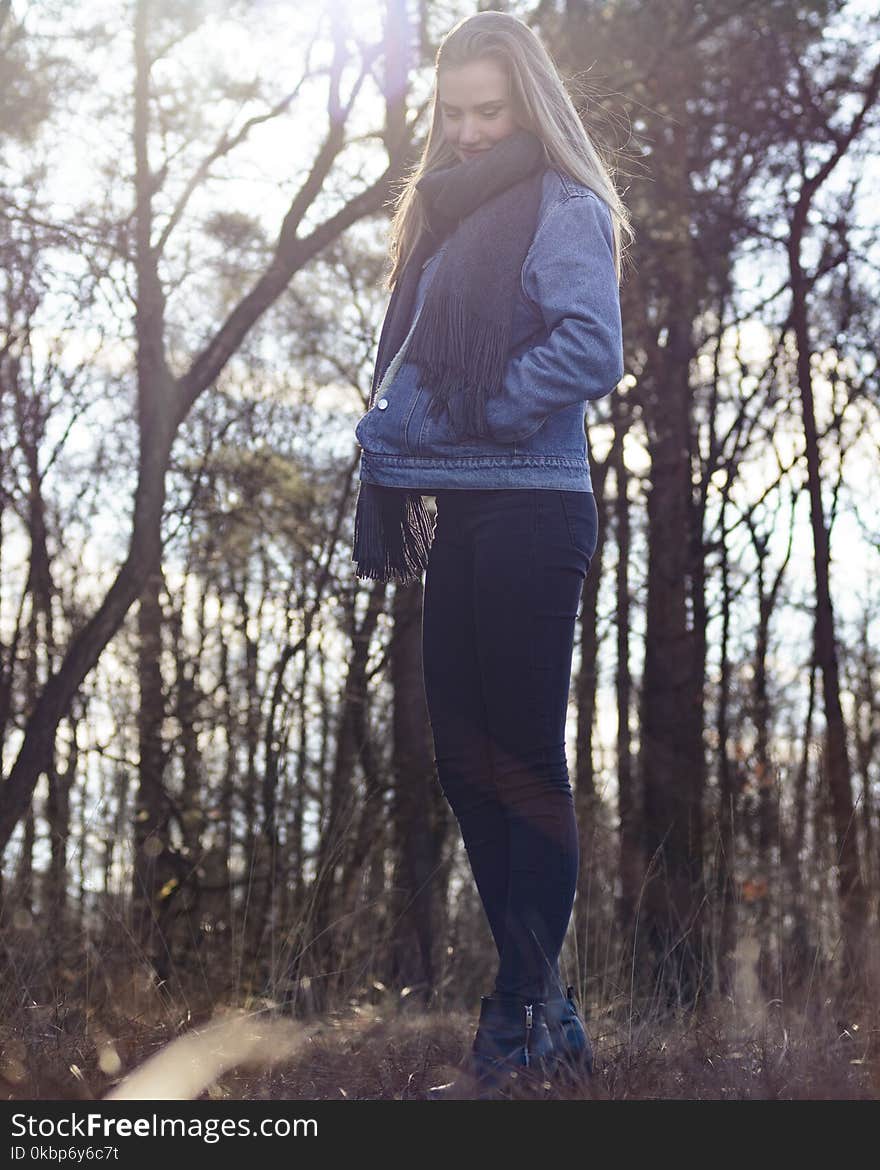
(95, 1025)
(393, 1051)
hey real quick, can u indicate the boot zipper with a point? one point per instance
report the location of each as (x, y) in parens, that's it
(526, 1051)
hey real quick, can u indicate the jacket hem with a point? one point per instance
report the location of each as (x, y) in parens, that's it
(476, 471)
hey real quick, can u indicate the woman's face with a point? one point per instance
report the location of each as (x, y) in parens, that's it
(475, 106)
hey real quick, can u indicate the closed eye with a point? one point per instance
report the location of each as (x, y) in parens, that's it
(489, 114)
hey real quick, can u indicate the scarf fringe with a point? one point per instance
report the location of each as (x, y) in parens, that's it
(393, 532)
(459, 350)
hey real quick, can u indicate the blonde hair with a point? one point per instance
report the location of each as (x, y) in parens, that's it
(540, 103)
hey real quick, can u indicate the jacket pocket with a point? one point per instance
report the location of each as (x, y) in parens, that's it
(386, 428)
(505, 426)
(428, 435)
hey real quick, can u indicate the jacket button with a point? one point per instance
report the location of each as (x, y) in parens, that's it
(382, 403)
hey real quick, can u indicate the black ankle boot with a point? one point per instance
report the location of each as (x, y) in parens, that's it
(571, 1044)
(512, 1043)
(512, 1037)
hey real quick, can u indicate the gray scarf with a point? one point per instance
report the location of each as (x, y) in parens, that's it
(488, 205)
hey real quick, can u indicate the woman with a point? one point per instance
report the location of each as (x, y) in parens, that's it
(503, 322)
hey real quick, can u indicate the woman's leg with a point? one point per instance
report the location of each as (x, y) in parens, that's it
(502, 588)
(532, 549)
(456, 707)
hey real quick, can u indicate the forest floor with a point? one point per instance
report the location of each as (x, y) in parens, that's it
(395, 1052)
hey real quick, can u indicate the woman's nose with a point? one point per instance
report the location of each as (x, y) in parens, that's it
(469, 133)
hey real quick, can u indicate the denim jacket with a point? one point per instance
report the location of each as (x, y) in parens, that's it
(566, 349)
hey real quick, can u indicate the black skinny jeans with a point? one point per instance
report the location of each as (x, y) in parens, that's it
(502, 589)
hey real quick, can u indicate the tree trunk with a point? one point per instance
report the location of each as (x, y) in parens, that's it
(418, 821)
(728, 794)
(587, 905)
(672, 765)
(629, 843)
(341, 814)
(851, 892)
(156, 880)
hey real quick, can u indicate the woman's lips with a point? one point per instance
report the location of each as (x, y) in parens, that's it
(471, 153)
